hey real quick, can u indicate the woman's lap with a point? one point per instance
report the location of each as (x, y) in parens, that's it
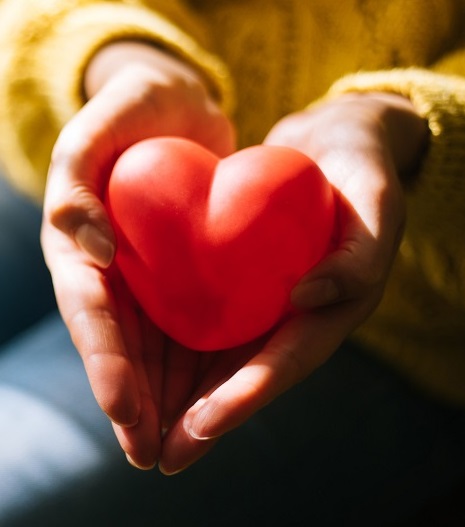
(352, 445)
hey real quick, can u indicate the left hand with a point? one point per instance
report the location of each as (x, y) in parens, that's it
(363, 144)
(135, 91)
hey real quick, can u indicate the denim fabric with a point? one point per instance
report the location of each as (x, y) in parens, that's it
(353, 445)
(25, 287)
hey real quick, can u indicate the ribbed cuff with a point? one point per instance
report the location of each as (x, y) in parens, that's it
(438, 98)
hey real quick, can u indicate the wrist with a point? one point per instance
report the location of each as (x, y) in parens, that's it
(405, 130)
(117, 56)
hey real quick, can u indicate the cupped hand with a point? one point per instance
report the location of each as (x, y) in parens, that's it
(135, 92)
(365, 145)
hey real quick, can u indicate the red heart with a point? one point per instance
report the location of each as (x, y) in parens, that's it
(210, 247)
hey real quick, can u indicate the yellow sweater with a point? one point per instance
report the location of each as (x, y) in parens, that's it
(266, 58)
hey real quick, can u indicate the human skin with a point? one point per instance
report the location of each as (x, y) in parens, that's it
(169, 404)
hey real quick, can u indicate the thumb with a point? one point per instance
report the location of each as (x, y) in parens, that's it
(73, 204)
(84, 220)
(356, 270)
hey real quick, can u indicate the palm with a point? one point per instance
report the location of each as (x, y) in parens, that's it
(168, 379)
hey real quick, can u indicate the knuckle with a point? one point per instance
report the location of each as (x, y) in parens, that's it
(372, 274)
(67, 212)
(370, 262)
(291, 363)
(67, 144)
(100, 322)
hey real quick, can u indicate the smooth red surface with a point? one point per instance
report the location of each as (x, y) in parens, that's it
(212, 248)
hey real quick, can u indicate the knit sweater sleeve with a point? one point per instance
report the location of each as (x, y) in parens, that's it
(438, 93)
(45, 47)
(419, 324)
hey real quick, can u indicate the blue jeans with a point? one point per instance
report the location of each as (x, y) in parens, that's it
(353, 445)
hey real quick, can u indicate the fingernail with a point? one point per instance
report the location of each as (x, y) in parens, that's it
(320, 292)
(135, 465)
(199, 425)
(95, 244)
(198, 437)
(167, 472)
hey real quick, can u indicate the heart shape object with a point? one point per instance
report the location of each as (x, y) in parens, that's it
(210, 247)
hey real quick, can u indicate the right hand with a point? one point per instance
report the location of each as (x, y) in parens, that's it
(364, 144)
(135, 92)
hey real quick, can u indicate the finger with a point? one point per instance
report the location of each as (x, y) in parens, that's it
(297, 349)
(369, 203)
(357, 268)
(90, 313)
(342, 277)
(180, 447)
(82, 160)
(141, 442)
(153, 356)
(76, 179)
(179, 380)
(144, 345)
(126, 110)
(185, 442)
(147, 445)
(300, 347)
(143, 341)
